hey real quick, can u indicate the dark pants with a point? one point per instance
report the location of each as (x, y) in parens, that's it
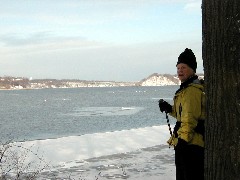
(189, 160)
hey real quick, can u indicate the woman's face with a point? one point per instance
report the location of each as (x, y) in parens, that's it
(184, 72)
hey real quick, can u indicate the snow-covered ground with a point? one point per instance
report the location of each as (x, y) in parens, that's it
(128, 154)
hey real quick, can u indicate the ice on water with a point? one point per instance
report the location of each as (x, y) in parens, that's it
(105, 111)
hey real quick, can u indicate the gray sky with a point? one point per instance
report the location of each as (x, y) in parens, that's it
(121, 40)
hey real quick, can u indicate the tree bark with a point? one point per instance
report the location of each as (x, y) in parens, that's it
(221, 59)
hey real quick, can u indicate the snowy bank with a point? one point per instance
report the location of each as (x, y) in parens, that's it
(109, 150)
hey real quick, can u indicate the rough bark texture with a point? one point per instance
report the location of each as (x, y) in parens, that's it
(221, 58)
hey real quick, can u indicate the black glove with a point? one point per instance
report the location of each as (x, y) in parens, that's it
(164, 106)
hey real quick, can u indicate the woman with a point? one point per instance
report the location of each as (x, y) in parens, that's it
(189, 110)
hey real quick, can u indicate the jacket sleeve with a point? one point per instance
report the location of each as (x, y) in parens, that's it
(173, 113)
(191, 112)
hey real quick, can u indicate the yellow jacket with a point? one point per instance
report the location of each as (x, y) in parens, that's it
(189, 109)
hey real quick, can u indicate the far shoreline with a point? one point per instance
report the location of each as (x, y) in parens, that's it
(12, 89)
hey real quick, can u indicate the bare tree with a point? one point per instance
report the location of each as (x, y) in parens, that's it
(221, 58)
(14, 164)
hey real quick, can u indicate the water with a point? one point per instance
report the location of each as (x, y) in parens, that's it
(54, 113)
(91, 133)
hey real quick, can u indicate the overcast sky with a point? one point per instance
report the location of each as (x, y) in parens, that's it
(121, 40)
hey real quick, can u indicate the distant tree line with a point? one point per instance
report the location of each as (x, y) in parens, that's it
(8, 82)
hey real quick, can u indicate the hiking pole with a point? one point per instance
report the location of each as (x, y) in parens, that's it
(169, 127)
(168, 122)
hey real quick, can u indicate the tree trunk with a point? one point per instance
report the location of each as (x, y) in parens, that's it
(221, 59)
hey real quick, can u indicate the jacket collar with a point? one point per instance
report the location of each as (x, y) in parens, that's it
(187, 82)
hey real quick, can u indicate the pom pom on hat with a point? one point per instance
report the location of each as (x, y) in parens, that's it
(188, 57)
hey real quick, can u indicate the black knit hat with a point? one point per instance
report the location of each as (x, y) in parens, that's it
(188, 57)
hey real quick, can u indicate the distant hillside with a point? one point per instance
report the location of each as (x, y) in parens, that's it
(156, 79)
